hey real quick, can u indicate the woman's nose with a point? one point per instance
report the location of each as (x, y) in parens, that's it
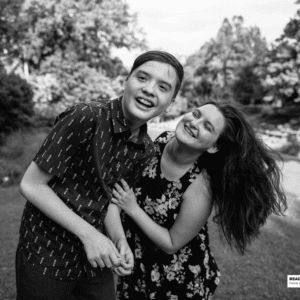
(195, 122)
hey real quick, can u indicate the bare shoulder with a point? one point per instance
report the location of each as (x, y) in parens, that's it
(198, 194)
(197, 204)
(200, 186)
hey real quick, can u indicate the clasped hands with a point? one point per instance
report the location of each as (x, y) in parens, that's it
(101, 251)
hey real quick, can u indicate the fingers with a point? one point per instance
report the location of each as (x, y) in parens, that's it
(108, 261)
(125, 185)
(103, 253)
(94, 263)
(98, 262)
(121, 271)
(116, 194)
(125, 268)
(116, 257)
(129, 259)
(118, 189)
(114, 200)
(112, 262)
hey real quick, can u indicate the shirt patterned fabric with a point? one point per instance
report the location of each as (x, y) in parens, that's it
(87, 151)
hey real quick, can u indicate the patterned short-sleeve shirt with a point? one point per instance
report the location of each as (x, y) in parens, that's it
(87, 152)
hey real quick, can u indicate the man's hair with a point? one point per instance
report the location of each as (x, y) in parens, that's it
(163, 57)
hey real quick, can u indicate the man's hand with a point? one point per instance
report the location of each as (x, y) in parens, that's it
(100, 250)
(127, 258)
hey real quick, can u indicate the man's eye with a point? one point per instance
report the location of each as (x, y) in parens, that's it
(163, 88)
(142, 78)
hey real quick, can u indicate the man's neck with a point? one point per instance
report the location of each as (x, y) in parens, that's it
(134, 134)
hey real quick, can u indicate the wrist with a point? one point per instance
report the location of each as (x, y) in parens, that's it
(133, 211)
(86, 233)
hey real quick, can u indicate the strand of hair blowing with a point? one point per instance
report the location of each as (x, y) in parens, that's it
(245, 181)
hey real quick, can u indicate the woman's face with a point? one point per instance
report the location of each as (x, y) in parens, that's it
(201, 128)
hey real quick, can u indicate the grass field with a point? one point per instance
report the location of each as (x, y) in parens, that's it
(259, 274)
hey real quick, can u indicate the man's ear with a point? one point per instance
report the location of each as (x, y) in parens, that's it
(213, 149)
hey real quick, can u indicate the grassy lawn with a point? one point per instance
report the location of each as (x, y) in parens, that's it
(259, 274)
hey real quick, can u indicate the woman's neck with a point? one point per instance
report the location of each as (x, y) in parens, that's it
(179, 154)
(175, 161)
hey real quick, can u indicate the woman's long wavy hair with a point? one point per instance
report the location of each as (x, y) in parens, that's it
(245, 179)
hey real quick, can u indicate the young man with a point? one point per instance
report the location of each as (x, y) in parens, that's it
(63, 252)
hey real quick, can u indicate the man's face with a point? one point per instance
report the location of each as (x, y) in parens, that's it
(149, 91)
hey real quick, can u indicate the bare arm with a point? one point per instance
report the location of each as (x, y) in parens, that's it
(114, 228)
(34, 187)
(194, 212)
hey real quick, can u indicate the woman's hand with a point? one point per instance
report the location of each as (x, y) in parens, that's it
(127, 262)
(124, 197)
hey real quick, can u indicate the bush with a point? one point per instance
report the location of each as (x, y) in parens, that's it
(16, 104)
(17, 152)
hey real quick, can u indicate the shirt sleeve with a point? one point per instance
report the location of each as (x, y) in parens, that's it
(72, 129)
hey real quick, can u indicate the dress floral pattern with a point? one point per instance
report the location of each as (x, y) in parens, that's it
(191, 272)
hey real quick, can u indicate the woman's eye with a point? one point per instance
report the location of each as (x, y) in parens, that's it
(163, 88)
(208, 128)
(142, 78)
(196, 114)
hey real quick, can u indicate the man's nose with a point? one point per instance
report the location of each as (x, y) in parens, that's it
(149, 88)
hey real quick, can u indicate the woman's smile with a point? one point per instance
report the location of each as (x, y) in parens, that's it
(189, 131)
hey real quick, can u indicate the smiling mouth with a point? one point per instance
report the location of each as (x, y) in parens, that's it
(144, 102)
(189, 131)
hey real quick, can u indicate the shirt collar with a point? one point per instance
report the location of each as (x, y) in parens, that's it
(120, 124)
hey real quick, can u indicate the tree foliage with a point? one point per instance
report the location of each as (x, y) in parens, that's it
(9, 27)
(247, 88)
(16, 105)
(214, 69)
(283, 66)
(90, 28)
(65, 48)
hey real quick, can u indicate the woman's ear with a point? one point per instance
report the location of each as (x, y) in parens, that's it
(213, 149)
(169, 108)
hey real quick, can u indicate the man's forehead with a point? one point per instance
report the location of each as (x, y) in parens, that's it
(157, 67)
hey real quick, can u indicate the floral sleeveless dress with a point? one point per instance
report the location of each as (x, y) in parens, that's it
(190, 273)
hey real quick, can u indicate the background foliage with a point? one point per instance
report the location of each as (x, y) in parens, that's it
(64, 50)
(16, 105)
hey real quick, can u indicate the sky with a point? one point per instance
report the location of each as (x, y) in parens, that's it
(182, 27)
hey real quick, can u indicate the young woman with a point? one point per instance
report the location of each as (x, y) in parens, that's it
(213, 159)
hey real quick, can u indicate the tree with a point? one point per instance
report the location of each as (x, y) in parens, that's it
(72, 43)
(248, 89)
(90, 28)
(9, 29)
(16, 105)
(213, 70)
(283, 66)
